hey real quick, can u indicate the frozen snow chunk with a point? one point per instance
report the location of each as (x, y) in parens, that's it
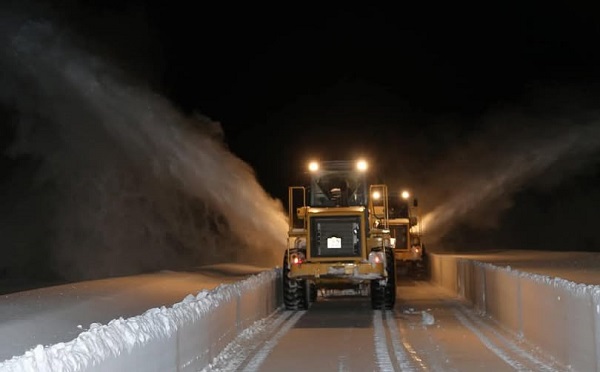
(202, 294)
(189, 299)
(428, 319)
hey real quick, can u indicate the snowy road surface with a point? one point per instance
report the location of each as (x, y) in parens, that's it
(428, 330)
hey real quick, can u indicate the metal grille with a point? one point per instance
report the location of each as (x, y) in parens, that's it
(335, 236)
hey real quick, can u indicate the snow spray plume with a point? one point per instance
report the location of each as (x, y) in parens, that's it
(125, 182)
(516, 151)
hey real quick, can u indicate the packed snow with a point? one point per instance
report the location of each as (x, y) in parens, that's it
(577, 267)
(428, 319)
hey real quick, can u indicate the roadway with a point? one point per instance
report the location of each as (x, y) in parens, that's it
(428, 330)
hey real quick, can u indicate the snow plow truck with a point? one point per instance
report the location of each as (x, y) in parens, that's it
(406, 234)
(338, 236)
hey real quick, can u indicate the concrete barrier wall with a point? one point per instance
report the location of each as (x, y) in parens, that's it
(185, 337)
(558, 316)
(198, 341)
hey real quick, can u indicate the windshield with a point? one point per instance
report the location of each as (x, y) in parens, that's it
(398, 207)
(400, 233)
(338, 188)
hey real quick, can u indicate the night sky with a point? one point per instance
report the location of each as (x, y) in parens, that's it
(407, 87)
(337, 82)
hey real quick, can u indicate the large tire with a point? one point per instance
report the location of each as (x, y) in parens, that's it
(390, 287)
(376, 295)
(295, 292)
(419, 270)
(314, 292)
(383, 297)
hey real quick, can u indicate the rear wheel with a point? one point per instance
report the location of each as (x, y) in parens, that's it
(295, 292)
(420, 268)
(313, 292)
(383, 295)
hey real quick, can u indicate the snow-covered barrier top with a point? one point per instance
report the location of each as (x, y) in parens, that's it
(186, 336)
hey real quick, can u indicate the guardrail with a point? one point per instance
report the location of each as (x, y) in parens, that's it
(560, 317)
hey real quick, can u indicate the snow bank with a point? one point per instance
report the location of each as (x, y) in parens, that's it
(184, 337)
(558, 316)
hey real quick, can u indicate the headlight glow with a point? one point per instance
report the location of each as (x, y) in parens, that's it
(297, 258)
(362, 165)
(376, 257)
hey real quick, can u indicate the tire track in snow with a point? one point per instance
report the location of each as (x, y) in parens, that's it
(433, 355)
(239, 350)
(488, 343)
(268, 345)
(503, 346)
(539, 364)
(401, 348)
(384, 362)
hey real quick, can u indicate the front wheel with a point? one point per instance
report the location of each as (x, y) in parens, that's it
(383, 295)
(295, 292)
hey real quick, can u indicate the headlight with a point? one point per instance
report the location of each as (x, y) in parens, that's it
(361, 165)
(313, 166)
(376, 257)
(297, 258)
